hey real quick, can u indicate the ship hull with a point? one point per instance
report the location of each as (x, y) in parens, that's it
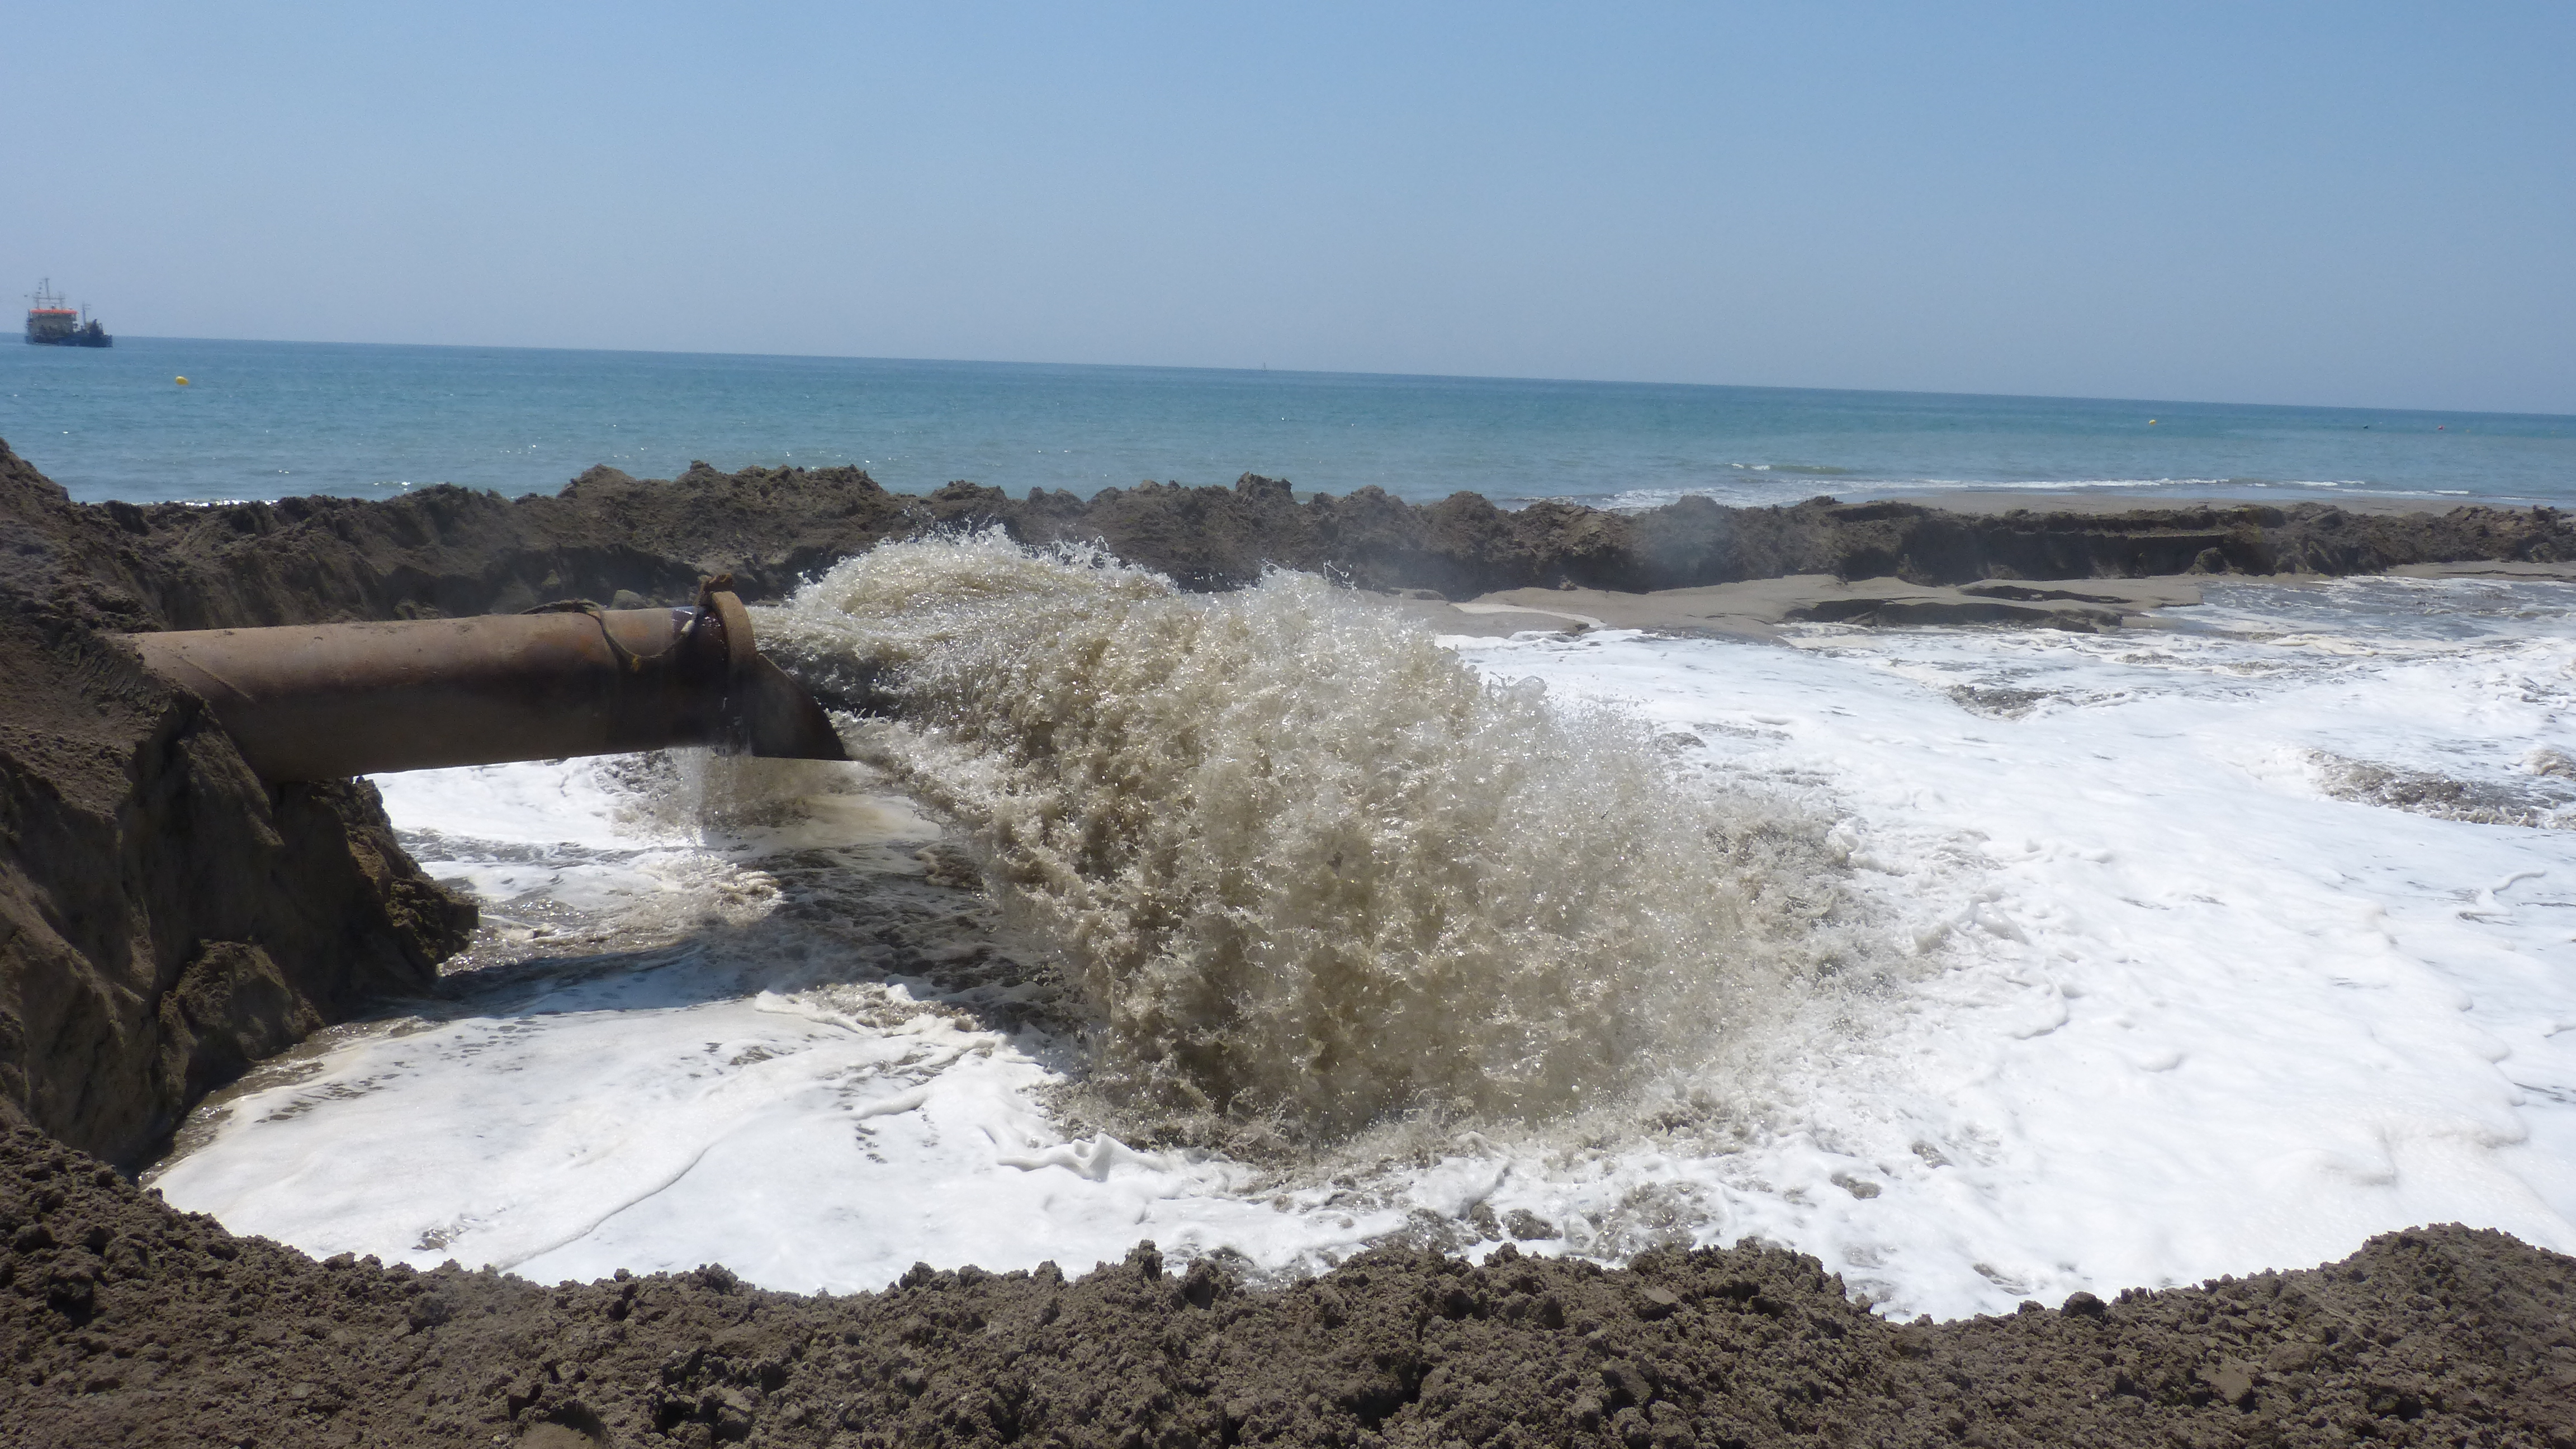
(91, 336)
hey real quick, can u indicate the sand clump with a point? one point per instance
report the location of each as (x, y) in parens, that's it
(166, 919)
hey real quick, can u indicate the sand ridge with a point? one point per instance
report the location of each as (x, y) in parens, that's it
(124, 1321)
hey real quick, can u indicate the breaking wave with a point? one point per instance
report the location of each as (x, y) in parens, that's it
(1307, 868)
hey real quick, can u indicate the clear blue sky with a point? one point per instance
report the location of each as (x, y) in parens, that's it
(2349, 203)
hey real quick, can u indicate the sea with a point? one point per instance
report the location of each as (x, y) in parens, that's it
(1983, 964)
(271, 419)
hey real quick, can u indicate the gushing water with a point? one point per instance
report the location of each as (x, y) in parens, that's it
(1308, 869)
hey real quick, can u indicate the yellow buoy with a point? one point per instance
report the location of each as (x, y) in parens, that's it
(2151, 422)
(183, 382)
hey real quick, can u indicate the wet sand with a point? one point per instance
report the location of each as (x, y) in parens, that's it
(1755, 609)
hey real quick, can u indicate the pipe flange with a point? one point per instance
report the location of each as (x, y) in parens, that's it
(735, 620)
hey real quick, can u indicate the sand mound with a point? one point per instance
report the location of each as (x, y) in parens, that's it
(124, 1322)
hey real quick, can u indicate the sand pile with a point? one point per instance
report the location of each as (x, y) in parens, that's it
(165, 919)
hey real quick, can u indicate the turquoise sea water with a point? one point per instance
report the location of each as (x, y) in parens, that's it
(269, 419)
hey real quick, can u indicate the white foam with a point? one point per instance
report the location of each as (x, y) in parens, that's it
(568, 802)
(2188, 1015)
(818, 1139)
(2175, 1010)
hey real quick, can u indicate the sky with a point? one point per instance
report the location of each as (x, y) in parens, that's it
(2356, 204)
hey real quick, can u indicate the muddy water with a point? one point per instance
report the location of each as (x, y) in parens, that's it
(1984, 965)
(1311, 871)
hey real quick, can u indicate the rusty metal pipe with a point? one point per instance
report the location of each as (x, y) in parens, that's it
(329, 701)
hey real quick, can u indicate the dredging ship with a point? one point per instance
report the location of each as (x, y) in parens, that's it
(51, 324)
